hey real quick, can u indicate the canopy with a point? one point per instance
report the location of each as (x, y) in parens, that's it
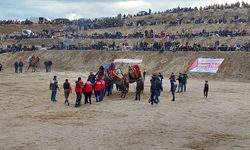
(128, 61)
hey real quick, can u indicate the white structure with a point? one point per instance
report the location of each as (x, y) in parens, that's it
(39, 19)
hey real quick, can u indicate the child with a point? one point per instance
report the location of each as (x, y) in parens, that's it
(206, 88)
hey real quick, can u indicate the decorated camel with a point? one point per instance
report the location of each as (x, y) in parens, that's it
(33, 62)
(110, 74)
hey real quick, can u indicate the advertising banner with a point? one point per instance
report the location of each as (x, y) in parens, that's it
(210, 65)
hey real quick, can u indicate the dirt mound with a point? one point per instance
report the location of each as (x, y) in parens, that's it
(235, 66)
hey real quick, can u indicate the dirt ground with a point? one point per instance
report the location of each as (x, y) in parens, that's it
(30, 121)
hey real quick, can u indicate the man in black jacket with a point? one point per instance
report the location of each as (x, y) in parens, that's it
(49, 65)
(139, 89)
(1, 66)
(156, 88)
(16, 67)
(180, 85)
(173, 87)
(206, 88)
(161, 77)
(185, 77)
(20, 65)
(46, 66)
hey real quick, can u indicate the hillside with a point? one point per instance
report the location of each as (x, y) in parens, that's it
(235, 66)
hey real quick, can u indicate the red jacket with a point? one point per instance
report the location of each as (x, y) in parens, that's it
(88, 87)
(98, 86)
(103, 85)
(78, 88)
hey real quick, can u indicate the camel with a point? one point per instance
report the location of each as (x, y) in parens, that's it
(134, 73)
(33, 63)
(124, 87)
(110, 74)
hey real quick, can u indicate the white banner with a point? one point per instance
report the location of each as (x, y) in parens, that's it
(210, 65)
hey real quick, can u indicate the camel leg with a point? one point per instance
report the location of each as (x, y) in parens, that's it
(28, 68)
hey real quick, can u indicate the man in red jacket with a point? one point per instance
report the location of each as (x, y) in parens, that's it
(98, 88)
(87, 91)
(78, 90)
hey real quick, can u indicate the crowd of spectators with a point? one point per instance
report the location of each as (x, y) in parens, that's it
(173, 35)
(118, 35)
(122, 20)
(140, 46)
(172, 38)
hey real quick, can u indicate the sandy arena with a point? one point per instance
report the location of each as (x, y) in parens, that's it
(30, 121)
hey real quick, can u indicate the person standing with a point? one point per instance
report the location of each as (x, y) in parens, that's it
(98, 88)
(67, 90)
(1, 67)
(78, 90)
(46, 66)
(49, 65)
(185, 77)
(20, 65)
(54, 87)
(180, 85)
(92, 79)
(16, 67)
(108, 89)
(155, 87)
(161, 77)
(171, 77)
(206, 88)
(158, 89)
(173, 87)
(144, 75)
(103, 88)
(88, 91)
(139, 89)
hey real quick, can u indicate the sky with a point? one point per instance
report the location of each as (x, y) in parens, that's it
(75, 9)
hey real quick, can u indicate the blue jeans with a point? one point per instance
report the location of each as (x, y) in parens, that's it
(111, 89)
(20, 69)
(102, 92)
(153, 97)
(157, 94)
(53, 95)
(180, 87)
(99, 94)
